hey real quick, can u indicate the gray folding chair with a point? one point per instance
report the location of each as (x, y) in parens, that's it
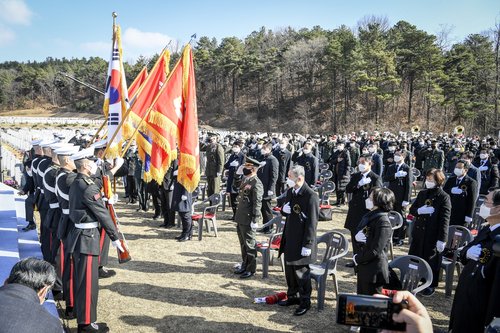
(337, 246)
(397, 222)
(325, 190)
(412, 270)
(271, 246)
(458, 237)
(209, 213)
(324, 166)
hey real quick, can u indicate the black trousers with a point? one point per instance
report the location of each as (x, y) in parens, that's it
(280, 188)
(104, 247)
(246, 236)
(298, 280)
(142, 194)
(86, 287)
(234, 201)
(187, 223)
(131, 189)
(154, 190)
(356, 247)
(67, 274)
(340, 196)
(167, 209)
(29, 208)
(267, 211)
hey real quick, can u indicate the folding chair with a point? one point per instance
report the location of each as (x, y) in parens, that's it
(209, 213)
(272, 245)
(412, 270)
(397, 222)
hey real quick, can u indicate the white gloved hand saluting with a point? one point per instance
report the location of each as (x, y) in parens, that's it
(456, 190)
(360, 237)
(305, 252)
(176, 172)
(474, 252)
(234, 163)
(117, 244)
(425, 210)
(119, 162)
(440, 246)
(183, 198)
(405, 203)
(483, 168)
(287, 209)
(240, 170)
(363, 181)
(401, 173)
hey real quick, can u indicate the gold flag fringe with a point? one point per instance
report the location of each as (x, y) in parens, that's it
(188, 166)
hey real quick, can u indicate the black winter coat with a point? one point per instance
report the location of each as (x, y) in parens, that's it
(462, 204)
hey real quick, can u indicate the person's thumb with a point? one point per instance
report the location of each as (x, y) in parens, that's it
(405, 316)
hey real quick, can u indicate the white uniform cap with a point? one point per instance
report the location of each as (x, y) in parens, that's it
(84, 153)
(67, 150)
(100, 144)
(47, 143)
(58, 145)
(36, 142)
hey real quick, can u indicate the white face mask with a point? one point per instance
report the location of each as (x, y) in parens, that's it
(306, 151)
(236, 150)
(429, 184)
(392, 148)
(340, 147)
(397, 158)
(263, 152)
(93, 168)
(458, 172)
(484, 211)
(371, 150)
(362, 167)
(290, 183)
(369, 204)
(483, 156)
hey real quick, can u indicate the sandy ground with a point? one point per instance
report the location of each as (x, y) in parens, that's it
(190, 286)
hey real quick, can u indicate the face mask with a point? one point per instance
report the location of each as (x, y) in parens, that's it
(362, 168)
(458, 172)
(236, 150)
(263, 152)
(29, 172)
(429, 184)
(397, 158)
(306, 151)
(456, 149)
(93, 168)
(483, 156)
(365, 152)
(247, 172)
(484, 211)
(133, 149)
(340, 147)
(259, 146)
(290, 183)
(392, 148)
(371, 150)
(369, 204)
(282, 146)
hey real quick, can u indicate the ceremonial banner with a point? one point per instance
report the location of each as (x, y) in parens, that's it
(116, 96)
(128, 125)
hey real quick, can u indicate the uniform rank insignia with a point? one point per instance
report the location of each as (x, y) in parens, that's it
(296, 209)
(88, 181)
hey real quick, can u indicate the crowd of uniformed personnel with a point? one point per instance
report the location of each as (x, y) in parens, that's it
(259, 171)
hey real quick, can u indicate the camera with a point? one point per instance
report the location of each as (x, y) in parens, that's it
(369, 312)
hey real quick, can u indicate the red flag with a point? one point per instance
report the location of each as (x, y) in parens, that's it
(139, 80)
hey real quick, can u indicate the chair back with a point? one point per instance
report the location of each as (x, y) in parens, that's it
(412, 270)
(396, 219)
(336, 246)
(458, 237)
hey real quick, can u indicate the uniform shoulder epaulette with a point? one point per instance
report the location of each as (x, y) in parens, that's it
(88, 181)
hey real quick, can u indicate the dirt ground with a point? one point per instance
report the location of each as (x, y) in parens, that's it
(190, 287)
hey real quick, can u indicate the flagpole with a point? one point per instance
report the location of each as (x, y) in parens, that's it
(98, 131)
(146, 65)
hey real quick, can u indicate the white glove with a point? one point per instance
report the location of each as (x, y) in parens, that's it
(483, 168)
(425, 210)
(176, 172)
(287, 209)
(405, 204)
(440, 246)
(119, 162)
(262, 163)
(219, 174)
(111, 201)
(240, 170)
(474, 252)
(363, 181)
(468, 219)
(456, 190)
(300, 152)
(234, 163)
(183, 197)
(269, 193)
(117, 244)
(360, 237)
(254, 226)
(401, 174)
(305, 252)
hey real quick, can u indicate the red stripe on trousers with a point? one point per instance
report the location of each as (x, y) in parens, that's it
(88, 289)
(101, 243)
(61, 253)
(71, 272)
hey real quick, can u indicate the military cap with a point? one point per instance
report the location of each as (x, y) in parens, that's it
(250, 162)
(99, 144)
(87, 153)
(36, 142)
(47, 143)
(67, 150)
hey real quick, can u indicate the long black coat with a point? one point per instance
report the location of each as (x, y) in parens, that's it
(477, 298)
(357, 206)
(311, 167)
(372, 263)
(377, 164)
(230, 187)
(300, 226)
(489, 178)
(268, 175)
(341, 169)
(284, 158)
(462, 204)
(400, 186)
(178, 204)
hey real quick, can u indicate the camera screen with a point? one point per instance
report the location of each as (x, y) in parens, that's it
(369, 312)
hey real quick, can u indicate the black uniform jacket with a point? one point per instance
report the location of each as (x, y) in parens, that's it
(462, 204)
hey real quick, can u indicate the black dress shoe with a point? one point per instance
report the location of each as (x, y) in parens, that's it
(301, 310)
(185, 238)
(289, 301)
(240, 271)
(170, 226)
(69, 313)
(31, 226)
(106, 273)
(427, 292)
(180, 236)
(94, 328)
(246, 275)
(350, 264)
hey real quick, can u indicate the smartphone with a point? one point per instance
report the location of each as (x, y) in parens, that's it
(369, 312)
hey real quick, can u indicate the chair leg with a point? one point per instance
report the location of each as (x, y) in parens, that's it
(214, 224)
(450, 270)
(321, 291)
(282, 261)
(265, 263)
(391, 249)
(200, 229)
(335, 286)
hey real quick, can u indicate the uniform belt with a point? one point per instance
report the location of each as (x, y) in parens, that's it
(54, 205)
(89, 225)
(65, 211)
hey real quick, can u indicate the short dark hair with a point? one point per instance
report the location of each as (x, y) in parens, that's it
(495, 196)
(367, 157)
(383, 198)
(33, 273)
(438, 176)
(465, 163)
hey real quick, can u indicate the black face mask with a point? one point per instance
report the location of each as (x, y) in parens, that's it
(433, 146)
(247, 172)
